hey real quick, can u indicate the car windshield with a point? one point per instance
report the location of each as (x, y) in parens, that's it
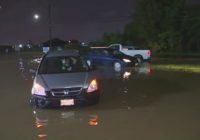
(64, 64)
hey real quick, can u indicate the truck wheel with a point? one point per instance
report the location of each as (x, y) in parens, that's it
(139, 59)
(117, 66)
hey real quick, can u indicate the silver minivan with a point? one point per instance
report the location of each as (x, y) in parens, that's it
(64, 78)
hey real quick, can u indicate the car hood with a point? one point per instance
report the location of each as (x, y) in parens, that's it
(66, 80)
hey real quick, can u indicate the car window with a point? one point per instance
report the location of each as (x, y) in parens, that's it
(115, 47)
(96, 51)
(105, 52)
(67, 64)
(129, 47)
(115, 52)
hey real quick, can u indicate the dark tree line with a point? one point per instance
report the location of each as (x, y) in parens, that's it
(162, 25)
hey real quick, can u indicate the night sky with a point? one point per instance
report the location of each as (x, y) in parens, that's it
(85, 20)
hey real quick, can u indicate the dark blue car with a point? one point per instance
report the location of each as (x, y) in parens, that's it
(111, 57)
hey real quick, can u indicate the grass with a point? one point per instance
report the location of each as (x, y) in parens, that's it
(178, 55)
(178, 67)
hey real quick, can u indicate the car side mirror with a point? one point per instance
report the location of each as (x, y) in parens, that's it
(92, 66)
(89, 63)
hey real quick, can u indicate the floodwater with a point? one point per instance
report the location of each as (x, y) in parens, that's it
(135, 104)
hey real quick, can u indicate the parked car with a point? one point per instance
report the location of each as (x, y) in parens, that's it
(140, 54)
(64, 78)
(111, 57)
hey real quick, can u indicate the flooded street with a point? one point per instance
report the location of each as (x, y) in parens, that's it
(135, 104)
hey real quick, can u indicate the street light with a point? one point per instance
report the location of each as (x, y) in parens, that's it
(36, 16)
(50, 25)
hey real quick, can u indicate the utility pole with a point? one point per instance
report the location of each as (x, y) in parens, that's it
(50, 25)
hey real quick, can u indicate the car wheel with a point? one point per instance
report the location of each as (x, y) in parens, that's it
(117, 66)
(39, 103)
(96, 101)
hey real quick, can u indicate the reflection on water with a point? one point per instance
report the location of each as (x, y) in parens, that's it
(144, 69)
(21, 68)
(40, 122)
(67, 115)
(93, 120)
(126, 75)
(42, 135)
(45, 118)
(21, 64)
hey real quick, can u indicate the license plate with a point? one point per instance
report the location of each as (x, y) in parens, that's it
(67, 102)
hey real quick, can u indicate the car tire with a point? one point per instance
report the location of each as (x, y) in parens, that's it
(117, 66)
(94, 101)
(38, 103)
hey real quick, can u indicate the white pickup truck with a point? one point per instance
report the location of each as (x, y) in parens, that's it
(140, 54)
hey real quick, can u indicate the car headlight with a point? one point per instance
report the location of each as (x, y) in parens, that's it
(38, 90)
(126, 60)
(92, 86)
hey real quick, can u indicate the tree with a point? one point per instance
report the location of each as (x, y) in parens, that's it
(133, 35)
(157, 23)
(191, 28)
(108, 38)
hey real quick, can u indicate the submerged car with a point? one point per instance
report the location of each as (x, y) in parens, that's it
(115, 58)
(64, 78)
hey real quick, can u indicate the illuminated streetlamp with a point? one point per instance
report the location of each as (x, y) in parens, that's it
(50, 25)
(36, 16)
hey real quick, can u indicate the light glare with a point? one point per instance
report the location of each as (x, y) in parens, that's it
(126, 60)
(93, 86)
(36, 16)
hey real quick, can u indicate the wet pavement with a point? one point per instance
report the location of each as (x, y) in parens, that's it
(135, 104)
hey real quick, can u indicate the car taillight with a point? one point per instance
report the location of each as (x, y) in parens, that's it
(149, 53)
(92, 86)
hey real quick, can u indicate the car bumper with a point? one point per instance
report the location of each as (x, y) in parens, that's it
(131, 64)
(81, 99)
